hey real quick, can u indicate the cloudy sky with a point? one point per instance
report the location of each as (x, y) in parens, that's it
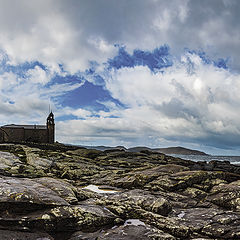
(124, 72)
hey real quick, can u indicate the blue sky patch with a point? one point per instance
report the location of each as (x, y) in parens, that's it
(220, 62)
(20, 69)
(156, 59)
(87, 96)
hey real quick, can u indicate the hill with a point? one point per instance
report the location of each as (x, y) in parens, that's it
(104, 148)
(169, 150)
(179, 150)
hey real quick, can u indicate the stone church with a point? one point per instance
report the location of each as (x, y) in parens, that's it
(29, 133)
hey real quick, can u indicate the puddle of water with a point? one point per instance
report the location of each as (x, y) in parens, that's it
(43, 239)
(181, 215)
(95, 188)
(135, 222)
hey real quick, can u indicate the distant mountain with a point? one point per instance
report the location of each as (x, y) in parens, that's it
(103, 148)
(179, 150)
(138, 149)
(169, 150)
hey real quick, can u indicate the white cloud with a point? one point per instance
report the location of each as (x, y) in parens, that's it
(181, 103)
(26, 99)
(41, 32)
(7, 81)
(174, 104)
(38, 75)
(73, 33)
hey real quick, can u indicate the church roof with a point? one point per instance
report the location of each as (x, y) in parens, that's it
(25, 126)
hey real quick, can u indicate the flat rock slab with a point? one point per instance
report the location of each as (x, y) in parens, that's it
(8, 160)
(16, 235)
(23, 190)
(61, 219)
(64, 189)
(132, 230)
(210, 221)
(226, 195)
(142, 199)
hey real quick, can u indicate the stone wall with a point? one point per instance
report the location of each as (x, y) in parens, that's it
(36, 135)
(1, 135)
(13, 134)
(16, 135)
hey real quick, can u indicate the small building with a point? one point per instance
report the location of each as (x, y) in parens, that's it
(29, 133)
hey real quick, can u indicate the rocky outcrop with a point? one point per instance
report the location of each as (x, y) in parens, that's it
(73, 193)
(132, 229)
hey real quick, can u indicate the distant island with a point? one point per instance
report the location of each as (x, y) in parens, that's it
(180, 150)
(168, 150)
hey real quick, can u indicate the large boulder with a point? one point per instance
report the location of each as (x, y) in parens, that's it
(211, 222)
(60, 219)
(22, 194)
(64, 189)
(126, 204)
(184, 179)
(226, 195)
(139, 178)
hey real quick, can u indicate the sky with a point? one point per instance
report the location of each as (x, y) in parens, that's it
(153, 73)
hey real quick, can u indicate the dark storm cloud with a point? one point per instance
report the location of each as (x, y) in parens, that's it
(211, 25)
(73, 30)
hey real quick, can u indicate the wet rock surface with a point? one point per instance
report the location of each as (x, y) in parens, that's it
(62, 192)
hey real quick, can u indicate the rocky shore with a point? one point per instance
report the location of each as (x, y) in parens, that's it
(67, 193)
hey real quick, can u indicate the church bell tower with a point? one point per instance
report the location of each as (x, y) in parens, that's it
(50, 128)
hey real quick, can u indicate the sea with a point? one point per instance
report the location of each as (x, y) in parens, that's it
(207, 158)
